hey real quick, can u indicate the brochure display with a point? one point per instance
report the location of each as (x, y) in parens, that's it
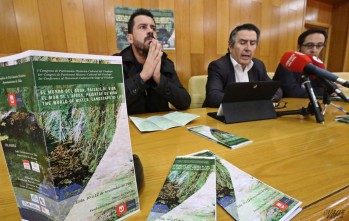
(245, 197)
(64, 132)
(154, 123)
(229, 140)
(188, 192)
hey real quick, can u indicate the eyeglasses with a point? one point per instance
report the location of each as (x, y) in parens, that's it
(280, 104)
(312, 45)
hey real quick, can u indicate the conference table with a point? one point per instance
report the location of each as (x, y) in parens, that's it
(295, 154)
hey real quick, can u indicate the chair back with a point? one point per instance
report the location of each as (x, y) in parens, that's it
(197, 90)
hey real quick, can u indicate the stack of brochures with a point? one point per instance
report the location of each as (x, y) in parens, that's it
(187, 192)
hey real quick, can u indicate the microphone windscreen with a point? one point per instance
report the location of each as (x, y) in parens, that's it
(316, 61)
(294, 61)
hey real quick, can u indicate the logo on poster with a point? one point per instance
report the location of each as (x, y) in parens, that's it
(121, 209)
(11, 99)
(281, 206)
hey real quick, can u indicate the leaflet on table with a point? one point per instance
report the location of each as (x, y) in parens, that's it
(155, 123)
(343, 119)
(245, 197)
(65, 136)
(188, 192)
(230, 140)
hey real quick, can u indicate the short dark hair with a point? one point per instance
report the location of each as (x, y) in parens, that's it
(247, 26)
(302, 37)
(140, 11)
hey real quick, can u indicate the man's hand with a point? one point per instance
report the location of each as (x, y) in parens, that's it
(151, 67)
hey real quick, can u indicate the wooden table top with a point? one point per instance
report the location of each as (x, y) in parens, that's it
(302, 158)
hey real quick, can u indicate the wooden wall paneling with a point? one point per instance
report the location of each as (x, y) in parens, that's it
(197, 36)
(110, 25)
(266, 29)
(223, 27)
(318, 11)
(235, 14)
(150, 4)
(282, 30)
(182, 27)
(210, 28)
(256, 16)
(95, 27)
(75, 26)
(166, 4)
(196, 23)
(197, 63)
(9, 39)
(340, 20)
(275, 38)
(132, 3)
(52, 25)
(346, 56)
(246, 11)
(29, 25)
(292, 29)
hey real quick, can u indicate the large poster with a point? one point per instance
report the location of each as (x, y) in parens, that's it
(64, 133)
(164, 20)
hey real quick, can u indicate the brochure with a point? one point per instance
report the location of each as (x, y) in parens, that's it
(343, 119)
(65, 136)
(188, 192)
(229, 140)
(155, 123)
(245, 197)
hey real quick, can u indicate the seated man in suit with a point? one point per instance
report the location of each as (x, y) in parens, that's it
(309, 42)
(238, 65)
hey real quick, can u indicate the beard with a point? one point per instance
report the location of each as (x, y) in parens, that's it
(143, 47)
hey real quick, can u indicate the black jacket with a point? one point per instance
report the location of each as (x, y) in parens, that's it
(221, 72)
(292, 83)
(147, 97)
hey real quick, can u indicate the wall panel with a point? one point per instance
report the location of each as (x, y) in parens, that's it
(52, 25)
(210, 28)
(96, 30)
(202, 27)
(9, 31)
(28, 24)
(74, 26)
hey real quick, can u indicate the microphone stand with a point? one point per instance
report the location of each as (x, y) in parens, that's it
(313, 106)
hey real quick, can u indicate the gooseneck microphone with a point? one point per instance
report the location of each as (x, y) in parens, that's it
(299, 62)
(329, 86)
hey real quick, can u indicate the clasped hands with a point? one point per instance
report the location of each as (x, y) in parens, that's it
(152, 64)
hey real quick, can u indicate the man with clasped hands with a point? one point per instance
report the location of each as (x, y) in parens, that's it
(151, 82)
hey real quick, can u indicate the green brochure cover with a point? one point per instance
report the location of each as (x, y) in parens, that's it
(245, 197)
(64, 132)
(188, 192)
(229, 140)
(343, 119)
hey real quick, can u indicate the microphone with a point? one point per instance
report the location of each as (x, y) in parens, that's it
(299, 62)
(330, 87)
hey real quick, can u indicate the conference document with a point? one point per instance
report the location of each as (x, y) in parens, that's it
(64, 132)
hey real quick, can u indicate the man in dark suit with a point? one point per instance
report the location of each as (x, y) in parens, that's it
(311, 42)
(238, 65)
